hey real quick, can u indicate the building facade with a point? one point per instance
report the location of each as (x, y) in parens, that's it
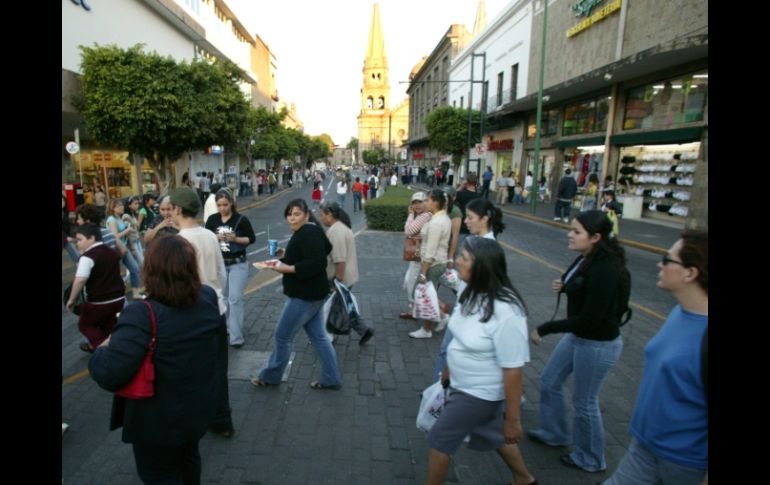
(489, 74)
(429, 89)
(183, 29)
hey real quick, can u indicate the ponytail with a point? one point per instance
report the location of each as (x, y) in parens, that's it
(494, 215)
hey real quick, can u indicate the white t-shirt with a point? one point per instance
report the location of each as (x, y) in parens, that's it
(479, 352)
(342, 188)
(394, 180)
(210, 263)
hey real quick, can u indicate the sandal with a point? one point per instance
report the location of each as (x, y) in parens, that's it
(318, 385)
(86, 347)
(257, 382)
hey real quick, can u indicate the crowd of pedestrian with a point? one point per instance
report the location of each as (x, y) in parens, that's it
(193, 273)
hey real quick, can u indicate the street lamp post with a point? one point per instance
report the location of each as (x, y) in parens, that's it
(535, 182)
(483, 56)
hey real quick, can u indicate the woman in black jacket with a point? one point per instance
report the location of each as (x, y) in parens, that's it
(304, 282)
(165, 429)
(591, 344)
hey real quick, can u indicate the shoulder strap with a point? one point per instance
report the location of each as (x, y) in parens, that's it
(154, 323)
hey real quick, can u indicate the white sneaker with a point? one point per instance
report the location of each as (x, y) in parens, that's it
(420, 333)
(64, 428)
(556, 218)
(441, 325)
(565, 220)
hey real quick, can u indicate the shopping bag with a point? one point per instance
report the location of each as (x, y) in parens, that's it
(433, 400)
(426, 303)
(343, 313)
(450, 279)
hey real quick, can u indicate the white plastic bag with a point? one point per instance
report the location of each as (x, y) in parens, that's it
(433, 399)
(450, 279)
(426, 303)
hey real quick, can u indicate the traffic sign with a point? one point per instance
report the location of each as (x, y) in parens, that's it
(72, 148)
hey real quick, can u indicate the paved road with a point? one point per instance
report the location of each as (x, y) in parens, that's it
(364, 433)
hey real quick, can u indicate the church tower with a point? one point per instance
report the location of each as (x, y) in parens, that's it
(375, 128)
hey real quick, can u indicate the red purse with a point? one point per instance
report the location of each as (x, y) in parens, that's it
(142, 385)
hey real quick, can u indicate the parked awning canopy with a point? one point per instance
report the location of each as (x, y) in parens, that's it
(581, 142)
(677, 135)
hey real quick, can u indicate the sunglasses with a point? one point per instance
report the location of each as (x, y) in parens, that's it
(665, 260)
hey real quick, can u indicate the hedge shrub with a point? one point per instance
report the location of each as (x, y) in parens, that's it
(389, 212)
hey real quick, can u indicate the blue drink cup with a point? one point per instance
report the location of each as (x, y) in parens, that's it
(272, 247)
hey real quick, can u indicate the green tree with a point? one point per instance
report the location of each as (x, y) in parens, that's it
(448, 131)
(352, 144)
(375, 156)
(327, 139)
(158, 108)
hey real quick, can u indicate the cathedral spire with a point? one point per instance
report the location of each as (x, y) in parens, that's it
(375, 51)
(481, 18)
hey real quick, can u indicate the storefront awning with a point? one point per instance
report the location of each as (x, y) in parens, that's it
(678, 135)
(581, 142)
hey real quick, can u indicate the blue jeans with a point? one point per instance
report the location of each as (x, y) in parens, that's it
(341, 200)
(591, 361)
(73, 252)
(296, 314)
(356, 201)
(562, 209)
(130, 263)
(237, 275)
(640, 467)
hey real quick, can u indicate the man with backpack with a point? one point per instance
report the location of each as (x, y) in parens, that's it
(669, 427)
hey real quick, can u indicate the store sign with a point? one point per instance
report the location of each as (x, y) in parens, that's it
(418, 156)
(585, 8)
(498, 145)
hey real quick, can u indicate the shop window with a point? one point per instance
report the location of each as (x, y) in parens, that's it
(667, 103)
(499, 89)
(549, 123)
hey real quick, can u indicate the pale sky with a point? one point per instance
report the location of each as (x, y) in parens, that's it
(320, 48)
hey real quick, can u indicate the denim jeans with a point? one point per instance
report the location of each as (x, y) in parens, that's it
(356, 201)
(591, 361)
(130, 263)
(138, 252)
(561, 209)
(237, 275)
(640, 467)
(296, 314)
(341, 200)
(73, 252)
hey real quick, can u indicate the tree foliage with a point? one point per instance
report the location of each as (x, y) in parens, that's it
(157, 107)
(448, 129)
(375, 156)
(353, 144)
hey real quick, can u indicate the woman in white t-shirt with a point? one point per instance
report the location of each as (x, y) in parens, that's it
(485, 363)
(342, 192)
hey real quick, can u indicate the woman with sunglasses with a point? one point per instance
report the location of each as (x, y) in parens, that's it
(304, 281)
(485, 365)
(669, 428)
(591, 344)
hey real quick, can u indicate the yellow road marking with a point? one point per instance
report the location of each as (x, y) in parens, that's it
(74, 378)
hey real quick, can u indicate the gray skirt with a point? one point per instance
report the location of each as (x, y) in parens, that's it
(465, 415)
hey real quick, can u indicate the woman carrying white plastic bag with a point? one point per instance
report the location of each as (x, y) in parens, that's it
(485, 363)
(433, 399)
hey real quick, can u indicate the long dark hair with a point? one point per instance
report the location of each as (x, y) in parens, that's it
(489, 280)
(170, 272)
(337, 212)
(225, 193)
(301, 205)
(439, 196)
(482, 207)
(597, 222)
